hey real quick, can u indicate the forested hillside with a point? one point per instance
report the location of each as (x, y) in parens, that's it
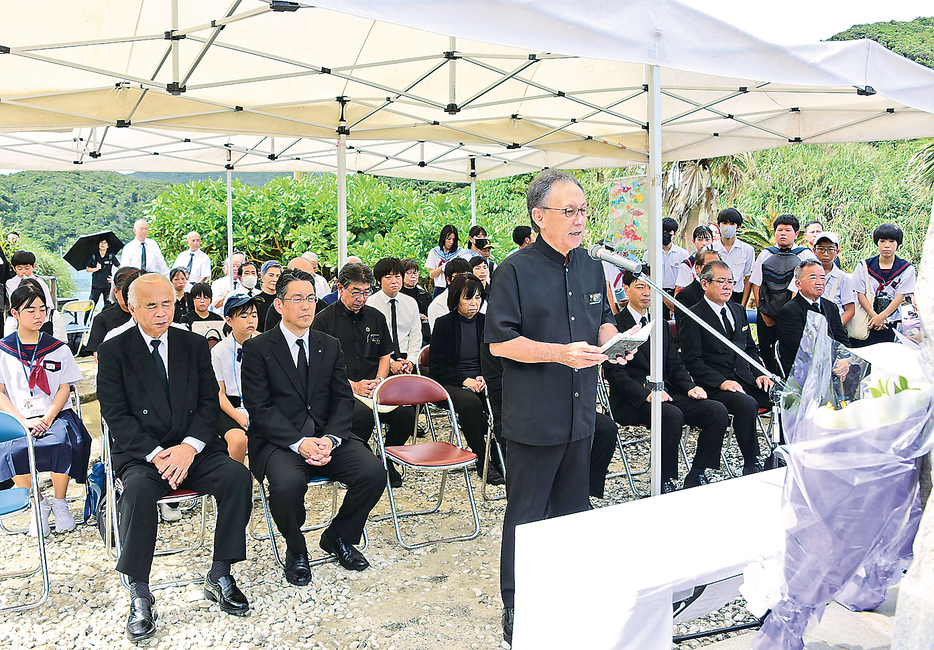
(913, 40)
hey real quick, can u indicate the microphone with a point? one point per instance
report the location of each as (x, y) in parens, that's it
(598, 252)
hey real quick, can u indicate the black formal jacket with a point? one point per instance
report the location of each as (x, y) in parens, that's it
(445, 349)
(627, 383)
(134, 404)
(708, 360)
(790, 327)
(688, 297)
(279, 413)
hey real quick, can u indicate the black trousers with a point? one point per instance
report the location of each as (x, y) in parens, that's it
(471, 415)
(738, 298)
(211, 472)
(768, 336)
(352, 463)
(401, 422)
(540, 482)
(601, 453)
(744, 407)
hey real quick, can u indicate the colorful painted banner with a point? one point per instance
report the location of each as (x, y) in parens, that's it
(627, 230)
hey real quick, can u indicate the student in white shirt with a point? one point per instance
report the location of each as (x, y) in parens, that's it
(401, 312)
(143, 253)
(24, 264)
(838, 284)
(438, 257)
(882, 283)
(194, 260)
(701, 237)
(227, 359)
(738, 255)
(221, 287)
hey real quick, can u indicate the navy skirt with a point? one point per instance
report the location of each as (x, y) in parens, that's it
(64, 449)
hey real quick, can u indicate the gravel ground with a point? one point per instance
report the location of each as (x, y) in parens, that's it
(444, 595)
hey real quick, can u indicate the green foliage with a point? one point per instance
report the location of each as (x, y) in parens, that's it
(47, 262)
(913, 40)
(882, 387)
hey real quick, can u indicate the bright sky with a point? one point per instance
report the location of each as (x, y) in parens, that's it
(808, 21)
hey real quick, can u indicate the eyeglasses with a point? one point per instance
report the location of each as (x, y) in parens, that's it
(724, 281)
(825, 249)
(570, 212)
(297, 300)
(412, 272)
(357, 293)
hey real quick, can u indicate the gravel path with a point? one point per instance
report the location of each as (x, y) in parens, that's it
(441, 596)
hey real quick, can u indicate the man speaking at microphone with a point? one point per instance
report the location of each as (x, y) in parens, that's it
(547, 315)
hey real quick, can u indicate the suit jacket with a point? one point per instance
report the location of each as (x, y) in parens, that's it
(134, 404)
(446, 348)
(790, 327)
(280, 414)
(708, 360)
(627, 383)
(688, 296)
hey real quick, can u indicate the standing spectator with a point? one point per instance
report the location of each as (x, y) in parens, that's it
(117, 314)
(446, 250)
(321, 285)
(223, 286)
(194, 261)
(439, 306)
(248, 277)
(882, 283)
(142, 252)
(522, 237)
(13, 238)
(673, 257)
(101, 266)
(413, 289)
(738, 255)
(811, 230)
(839, 288)
(475, 233)
(201, 296)
(773, 273)
(24, 264)
(401, 313)
(702, 237)
(6, 272)
(183, 305)
(714, 231)
(269, 276)
(486, 250)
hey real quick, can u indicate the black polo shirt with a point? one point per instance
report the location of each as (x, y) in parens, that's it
(100, 278)
(364, 337)
(538, 294)
(110, 318)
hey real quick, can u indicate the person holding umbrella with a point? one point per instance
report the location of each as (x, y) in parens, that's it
(101, 265)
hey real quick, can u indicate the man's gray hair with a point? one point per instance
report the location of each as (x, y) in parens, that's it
(354, 273)
(541, 185)
(702, 257)
(147, 279)
(310, 256)
(711, 267)
(800, 269)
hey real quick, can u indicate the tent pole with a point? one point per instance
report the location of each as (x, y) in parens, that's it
(229, 167)
(175, 64)
(654, 174)
(473, 201)
(341, 200)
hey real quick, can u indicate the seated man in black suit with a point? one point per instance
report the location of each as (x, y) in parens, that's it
(694, 292)
(301, 410)
(367, 344)
(683, 401)
(726, 376)
(810, 280)
(158, 395)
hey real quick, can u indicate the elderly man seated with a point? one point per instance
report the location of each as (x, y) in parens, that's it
(158, 395)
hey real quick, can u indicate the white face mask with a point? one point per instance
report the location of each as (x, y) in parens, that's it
(249, 281)
(727, 231)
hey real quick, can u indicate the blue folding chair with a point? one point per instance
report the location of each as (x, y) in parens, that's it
(18, 500)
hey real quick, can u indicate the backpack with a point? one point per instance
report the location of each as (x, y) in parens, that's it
(777, 273)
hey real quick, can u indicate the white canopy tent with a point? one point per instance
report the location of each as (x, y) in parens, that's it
(453, 90)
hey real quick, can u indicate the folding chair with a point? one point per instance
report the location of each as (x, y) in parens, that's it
(437, 455)
(421, 368)
(18, 500)
(114, 486)
(77, 328)
(316, 482)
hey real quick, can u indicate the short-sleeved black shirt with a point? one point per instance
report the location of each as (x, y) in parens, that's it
(364, 337)
(110, 318)
(108, 262)
(538, 294)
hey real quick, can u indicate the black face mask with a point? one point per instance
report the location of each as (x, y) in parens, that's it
(666, 238)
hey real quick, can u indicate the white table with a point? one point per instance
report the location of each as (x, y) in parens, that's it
(605, 578)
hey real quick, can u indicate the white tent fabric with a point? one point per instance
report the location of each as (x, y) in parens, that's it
(423, 91)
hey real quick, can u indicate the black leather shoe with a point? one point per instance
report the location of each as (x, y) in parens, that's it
(349, 557)
(693, 480)
(493, 475)
(395, 478)
(753, 468)
(669, 486)
(509, 614)
(297, 569)
(226, 593)
(141, 623)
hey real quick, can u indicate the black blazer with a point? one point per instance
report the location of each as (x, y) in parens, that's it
(445, 349)
(708, 360)
(688, 296)
(790, 327)
(279, 413)
(627, 383)
(134, 404)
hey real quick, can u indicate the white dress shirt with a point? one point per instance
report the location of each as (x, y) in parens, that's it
(321, 287)
(408, 321)
(133, 253)
(220, 287)
(671, 263)
(717, 309)
(13, 284)
(200, 266)
(839, 288)
(198, 445)
(739, 258)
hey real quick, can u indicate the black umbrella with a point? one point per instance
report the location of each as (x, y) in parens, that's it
(81, 251)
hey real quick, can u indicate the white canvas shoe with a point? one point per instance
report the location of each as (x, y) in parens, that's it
(169, 513)
(45, 509)
(64, 521)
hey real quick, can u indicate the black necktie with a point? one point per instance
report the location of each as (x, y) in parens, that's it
(395, 327)
(302, 365)
(160, 365)
(191, 262)
(142, 257)
(726, 323)
(816, 307)
(643, 321)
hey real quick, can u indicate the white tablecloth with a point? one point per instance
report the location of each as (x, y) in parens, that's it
(605, 578)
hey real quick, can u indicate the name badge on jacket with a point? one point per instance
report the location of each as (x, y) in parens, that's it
(594, 298)
(52, 366)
